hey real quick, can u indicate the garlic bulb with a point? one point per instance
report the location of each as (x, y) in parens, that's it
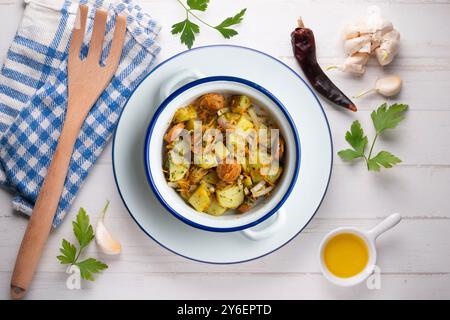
(105, 241)
(371, 34)
(387, 86)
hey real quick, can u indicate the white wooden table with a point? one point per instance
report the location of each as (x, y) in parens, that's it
(414, 258)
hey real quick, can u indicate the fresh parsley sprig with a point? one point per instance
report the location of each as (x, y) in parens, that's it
(383, 118)
(70, 254)
(189, 29)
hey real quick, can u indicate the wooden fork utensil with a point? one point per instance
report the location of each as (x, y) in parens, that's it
(86, 81)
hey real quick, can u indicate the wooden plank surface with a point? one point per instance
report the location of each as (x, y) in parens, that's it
(414, 258)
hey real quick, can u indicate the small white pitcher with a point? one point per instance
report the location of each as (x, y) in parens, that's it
(369, 237)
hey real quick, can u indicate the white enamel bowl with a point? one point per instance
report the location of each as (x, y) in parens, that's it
(185, 95)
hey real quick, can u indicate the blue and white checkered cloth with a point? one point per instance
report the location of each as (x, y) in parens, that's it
(33, 94)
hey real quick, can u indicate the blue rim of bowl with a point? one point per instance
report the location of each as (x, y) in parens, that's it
(329, 134)
(178, 92)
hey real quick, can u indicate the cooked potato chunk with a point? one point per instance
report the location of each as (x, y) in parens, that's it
(185, 114)
(258, 160)
(256, 175)
(272, 178)
(211, 178)
(244, 123)
(200, 199)
(240, 104)
(231, 196)
(190, 124)
(264, 159)
(221, 150)
(215, 208)
(228, 120)
(247, 182)
(177, 171)
(235, 141)
(208, 161)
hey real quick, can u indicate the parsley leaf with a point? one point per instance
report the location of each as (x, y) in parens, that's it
(199, 5)
(178, 27)
(383, 118)
(356, 138)
(223, 27)
(90, 266)
(388, 117)
(69, 253)
(349, 154)
(188, 35)
(188, 29)
(383, 158)
(82, 229)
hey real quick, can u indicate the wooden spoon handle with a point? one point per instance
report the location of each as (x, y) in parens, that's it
(44, 210)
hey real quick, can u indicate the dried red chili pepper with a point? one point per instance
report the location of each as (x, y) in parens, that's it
(304, 47)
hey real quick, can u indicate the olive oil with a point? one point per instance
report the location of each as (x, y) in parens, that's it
(346, 255)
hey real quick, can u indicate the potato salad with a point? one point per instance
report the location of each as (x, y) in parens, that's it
(223, 154)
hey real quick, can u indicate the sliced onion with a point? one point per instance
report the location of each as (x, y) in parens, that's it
(224, 123)
(254, 117)
(257, 187)
(262, 192)
(172, 184)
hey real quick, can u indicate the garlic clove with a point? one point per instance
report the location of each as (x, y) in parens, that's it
(354, 45)
(389, 86)
(383, 56)
(354, 64)
(104, 240)
(388, 48)
(358, 58)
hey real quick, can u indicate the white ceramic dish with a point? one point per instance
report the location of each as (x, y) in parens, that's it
(230, 247)
(184, 95)
(369, 237)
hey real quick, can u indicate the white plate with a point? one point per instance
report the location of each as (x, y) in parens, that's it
(216, 247)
